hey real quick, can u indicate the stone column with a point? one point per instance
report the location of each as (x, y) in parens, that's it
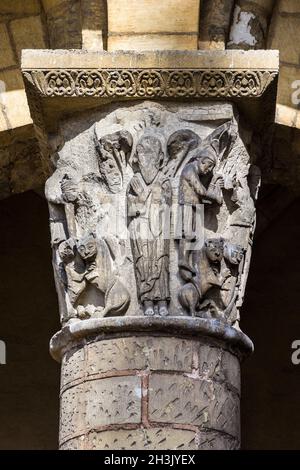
(152, 215)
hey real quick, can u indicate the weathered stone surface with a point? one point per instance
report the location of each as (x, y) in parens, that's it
(202, 399)
(141, 353)
(177, 399)
(28, 33)
(152, 438)
(219, 365)
(74, 444)
(211, 440)
(139, 439)
(114, 400)
(102, 402)
(12, 99)
(152, 24)
(288, 75)
(72, 412)
(287, 44)
(214, 24)
(250, 24)
(185, 400)
(152, 16)
(43, 59)
(224, 411)
(289, 6)
(94, 24)
(6, 52)
(73, 366)
(144, 42)
(230, 365)
(20, 168)
(19, 7)
(64, 23)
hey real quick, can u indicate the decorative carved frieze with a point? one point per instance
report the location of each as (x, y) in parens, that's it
(151, 83)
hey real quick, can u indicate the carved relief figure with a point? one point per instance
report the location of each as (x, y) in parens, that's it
(114, 151)
(201, 274)
(87, 262)
(232, 272)
(141, 160)
(198, 185)
(148, 197)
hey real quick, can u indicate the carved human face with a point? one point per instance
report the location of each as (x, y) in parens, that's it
(149, 156)
(111, 174)
(66, 251)
(87, 248)
(205, 166)
(214, 249)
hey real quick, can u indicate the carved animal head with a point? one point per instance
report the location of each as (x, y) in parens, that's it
(87, 247)
(233, 253)
(149, 156)
(66, 250)
(214, 248)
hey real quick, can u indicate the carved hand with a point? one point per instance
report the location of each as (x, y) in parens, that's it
(220, 182)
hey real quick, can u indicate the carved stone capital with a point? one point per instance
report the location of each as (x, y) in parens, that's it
(157, 219)
(152, 216)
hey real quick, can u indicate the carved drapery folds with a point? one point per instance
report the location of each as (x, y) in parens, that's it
(152, 213)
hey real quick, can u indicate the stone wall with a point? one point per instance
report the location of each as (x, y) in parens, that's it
(149, 392)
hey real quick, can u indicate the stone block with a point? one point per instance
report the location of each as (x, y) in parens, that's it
(230, 367)
(143, 439)
(72, 412)
(178, 399)
(288, 75)
(72, 366)
(94, 24)
(152, 438)
(153, 16)
(20, 7)
(153, 24)
(155, 353)
(6, 52)
(211, 440)
(287, 116)
(184, 400)
(289, 6)
(64, 23)
(28, 34)
(142, 42)
(151, 59)
(14, 101)
(223, 411)
(73, 444)
(114, 400)
(287, 43)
